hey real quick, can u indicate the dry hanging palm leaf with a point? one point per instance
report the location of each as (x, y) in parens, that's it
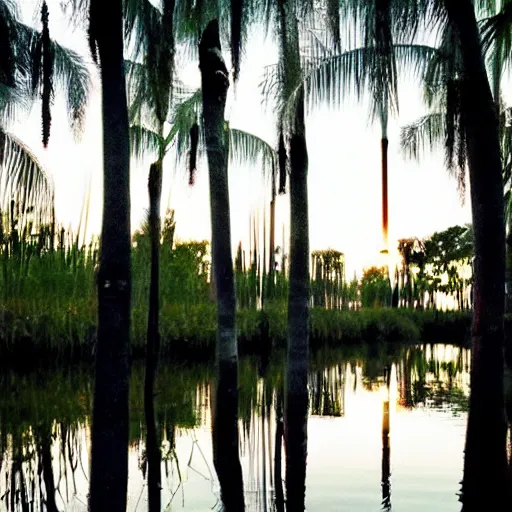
(93, 29)
(237, 11)
(281, 153)
(192, 156)
(48, 57)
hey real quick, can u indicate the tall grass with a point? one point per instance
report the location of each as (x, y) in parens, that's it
(48, 303)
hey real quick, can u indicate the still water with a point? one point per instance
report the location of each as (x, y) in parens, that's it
(353, 464)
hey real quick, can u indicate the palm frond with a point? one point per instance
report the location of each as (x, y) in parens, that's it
(184, 115)
(248, 149)
(334, 22)
(140, 94)
(238, 8)
(142, 26)
(144, 142)
(24, 180)
(381, 63)
(13, 100)
(192, 16)
(487, 7)
(506, 144)
(149, 32)
(497, 44)
(333, 77)
(444, 66)
(423, 136)
(70, 74)
(431, 132)
(76, 11)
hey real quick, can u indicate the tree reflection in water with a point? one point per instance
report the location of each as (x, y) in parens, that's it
(45, 423)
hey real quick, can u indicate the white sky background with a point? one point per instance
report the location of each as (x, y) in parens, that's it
(344, 166)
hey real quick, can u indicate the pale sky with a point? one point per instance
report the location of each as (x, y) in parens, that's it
(344, 167)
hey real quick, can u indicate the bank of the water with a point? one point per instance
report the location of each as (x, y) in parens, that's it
(189, 332)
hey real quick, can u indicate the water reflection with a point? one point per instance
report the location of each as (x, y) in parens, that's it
(362, 402)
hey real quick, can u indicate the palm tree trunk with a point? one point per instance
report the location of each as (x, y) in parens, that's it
(384, 157)
(153, 343)
(109, 453)
(296, 394)
(296, 391)
(272, 244)
(215, 83)
(485, 484)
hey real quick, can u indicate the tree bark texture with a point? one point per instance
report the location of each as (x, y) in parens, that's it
(215, 83)
(384, 143)
(296, 391)
(153, 342)
(485, 483)
(110, 420)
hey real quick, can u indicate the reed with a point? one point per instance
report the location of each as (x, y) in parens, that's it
(48, 303)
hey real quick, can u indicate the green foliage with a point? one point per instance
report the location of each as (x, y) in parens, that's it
(328, 273)
(438, 264)
(48, 303)
(375, 287)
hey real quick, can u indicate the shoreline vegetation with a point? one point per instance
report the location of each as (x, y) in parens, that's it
(48, 299)
(188, 332)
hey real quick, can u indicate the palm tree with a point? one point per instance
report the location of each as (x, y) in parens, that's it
(485, 464)
(23, 72)
(472, 129)
(321, 79)
(215, 83)
(333, 74)
(32, 65)
(186, 134)
(150, 85)
(496, 30)
(293, 131)
(459, 24)
(380, 62)
(110, 421)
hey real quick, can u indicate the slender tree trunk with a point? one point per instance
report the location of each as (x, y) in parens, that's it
(384, 156)
(272, 245)
(153, 343)
(485, 484)
(215, 83)
(109, 453)
(296, 393)
(296, 382)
